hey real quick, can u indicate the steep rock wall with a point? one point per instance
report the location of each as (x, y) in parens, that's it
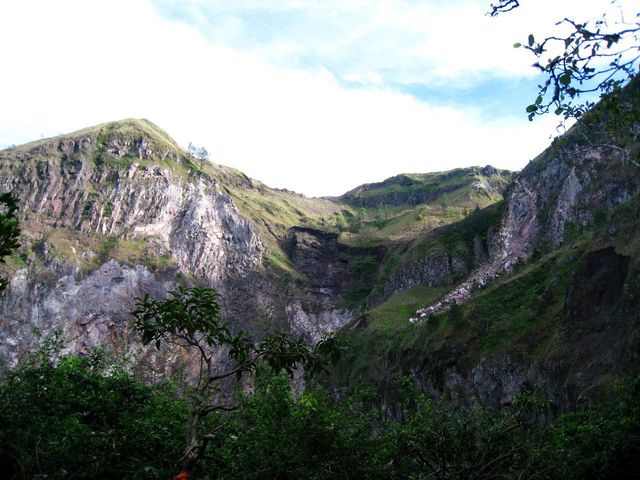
(121, 186)
(566, 187)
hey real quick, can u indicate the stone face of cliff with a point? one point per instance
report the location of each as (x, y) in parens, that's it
(544, 263)
(91, 311)
(331, 267)
(191, 217)
(118, 211)
(567, 186)
(570, 186)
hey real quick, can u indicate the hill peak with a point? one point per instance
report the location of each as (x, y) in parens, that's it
(116, 143)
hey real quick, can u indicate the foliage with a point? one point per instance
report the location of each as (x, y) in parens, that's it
(9, 229)
(198, 153)
(455, 314)
(278, 436)
(503, 6)
(600, 55)
(315, 436)
(86, 417)
(598, 442)
(440, 441)
(190, 318)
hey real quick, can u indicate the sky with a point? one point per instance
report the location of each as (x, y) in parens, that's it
(316, 96)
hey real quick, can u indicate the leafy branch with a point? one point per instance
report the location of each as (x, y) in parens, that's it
(190, 318)
(503, 6)
(592, 59)
(598, 56)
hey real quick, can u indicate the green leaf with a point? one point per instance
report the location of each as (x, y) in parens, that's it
(517, 45)
(565, 79)
(539, 100)
(531, 108)
(531, 40)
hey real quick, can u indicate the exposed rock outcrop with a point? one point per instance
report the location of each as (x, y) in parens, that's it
(124, 191)
(439, 268)
(331, 267)
(565, 187)
(90, 311)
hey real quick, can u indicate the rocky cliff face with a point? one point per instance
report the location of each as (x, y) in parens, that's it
(566, 188)
(331, 267)
(569, 235)
(115, 212)
(547, 293)
(118, 211)
(91, 311)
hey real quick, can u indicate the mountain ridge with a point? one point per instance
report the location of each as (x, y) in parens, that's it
(120, 200)
(114, 211)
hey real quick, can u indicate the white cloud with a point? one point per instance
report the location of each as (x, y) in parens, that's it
(402, 41)
(70, 64)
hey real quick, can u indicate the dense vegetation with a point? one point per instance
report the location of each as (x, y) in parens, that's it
(9, 229)
(86, 417)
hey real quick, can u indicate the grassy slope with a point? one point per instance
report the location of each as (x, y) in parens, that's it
(520, 313)
(437, 187)
(275, 211)
(449, 197)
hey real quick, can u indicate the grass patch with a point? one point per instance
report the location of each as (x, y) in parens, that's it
(395, 312)
(365, 270)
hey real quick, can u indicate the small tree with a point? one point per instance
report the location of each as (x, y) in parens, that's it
(9, 229)
(190, 318)
(199, 153)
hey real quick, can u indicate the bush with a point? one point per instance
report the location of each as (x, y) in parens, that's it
(277, 436)
(84, 417)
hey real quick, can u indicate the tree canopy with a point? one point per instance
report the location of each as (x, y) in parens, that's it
(190, 318)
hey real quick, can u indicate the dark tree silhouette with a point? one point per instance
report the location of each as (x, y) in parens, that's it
(190, 318)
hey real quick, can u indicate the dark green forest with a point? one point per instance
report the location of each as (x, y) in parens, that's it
(86, 417)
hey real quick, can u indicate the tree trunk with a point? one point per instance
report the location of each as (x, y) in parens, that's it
(193, 448)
